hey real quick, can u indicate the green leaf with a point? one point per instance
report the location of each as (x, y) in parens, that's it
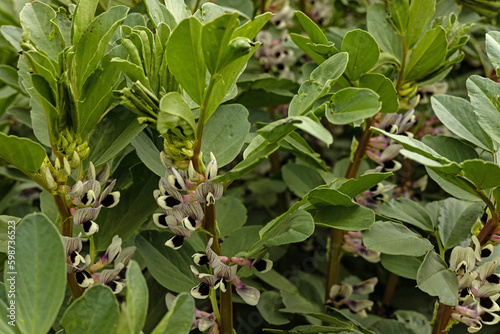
(278, 130)
(167, 266)
(396, 239)
(158, 14)
(135, 206)
(493, 49)
(436, 279)
(148, 153)
(450, 148)
(185, 58)
(301, 178)
(286, 229)
(458, 116)
(115, 132)
(137, 297)
(215, 37)
(414, 321)
(384, 88)
(224, 133)
(250, 29)
(456, 188)
(484, 94)
(7, 226)
(408, 211)
(94, 41)
(483, 174)
(179, 318)
(313, 31)
(23, 153)
(354, 187)
(38, 19)
(456, 219)
(100, 308)
(383, 32)
(230, 213)
(400, 10)
(178, 9)
(363, 53)
(401, 265)
(241, 239)
(429, 53)
(306, 45)
(352, 104)
(321, 79)
(9, 76)
(298, 146)
(175, 112)
(352, 218)
(421, 12)
(84, 14)
(39, 292)
(269, 304)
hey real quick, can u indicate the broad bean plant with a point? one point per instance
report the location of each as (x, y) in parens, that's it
(246, 166)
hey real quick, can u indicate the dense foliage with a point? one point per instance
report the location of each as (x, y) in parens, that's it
(281, 166)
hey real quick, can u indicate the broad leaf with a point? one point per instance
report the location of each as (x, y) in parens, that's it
(401, 265)
(84, 14)
(363, 52)
(101, 312)
(39, 292)
(169, 267)
(493, 49)
(185, 58)
(384, 88)
(354, 187)
(224, 133)
(176, 116)
(407, 211)
(421, 12)
(396, 239)
(383, 32)
(137, 297)
(179, 318)
(269, 304)
(22, 153)
(484, 94)
(231, 214)
(456, 219)
(483, 174)
(351, 105)
(7, 224)
(301, 178)
(312, 29)
(352, 218)
(458, 116)
(436, 279)
(148, 153)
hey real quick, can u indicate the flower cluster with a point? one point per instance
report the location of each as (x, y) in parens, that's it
(340, 293)
(225, 274)
(383, 150)
(87, 276)
(479, 288)
(88, 198)
(274, 56)
(182, 213)
(353, 243)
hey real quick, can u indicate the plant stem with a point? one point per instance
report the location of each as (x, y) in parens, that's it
(226, 301)
(67, 231)
(392, 281)
(336, 235)
(442, 318)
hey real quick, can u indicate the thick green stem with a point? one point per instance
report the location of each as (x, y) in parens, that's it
(337, 236)
(67, 231)
(226, 300)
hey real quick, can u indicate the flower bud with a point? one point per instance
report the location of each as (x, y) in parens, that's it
(67, 167)
(75, 160)
(49, 179)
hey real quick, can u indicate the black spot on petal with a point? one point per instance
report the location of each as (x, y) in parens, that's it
(487, 317)
(486, 302)
(260, 265)
(485, 252)
(108, 201)
(494, 279)
(171, 201)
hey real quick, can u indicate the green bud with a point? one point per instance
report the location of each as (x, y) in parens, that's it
(75, 160)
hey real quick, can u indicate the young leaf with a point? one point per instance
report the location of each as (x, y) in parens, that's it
(185, 58)
(400, 10)
(38, 19)
(313, 31)
(396, 239)
(383, 32)
(352, 104)
(429, 53)
(23, 153)
(84, 14)
(436, 279)
(176, 116)
(458, 116)
(363, 52)
(421, 12)
(319, 84)
(100, 308)
(39, 292)
(137, 297)
(224, 133)
(158, 14)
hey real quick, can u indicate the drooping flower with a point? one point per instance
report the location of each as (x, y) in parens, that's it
(340, 294)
